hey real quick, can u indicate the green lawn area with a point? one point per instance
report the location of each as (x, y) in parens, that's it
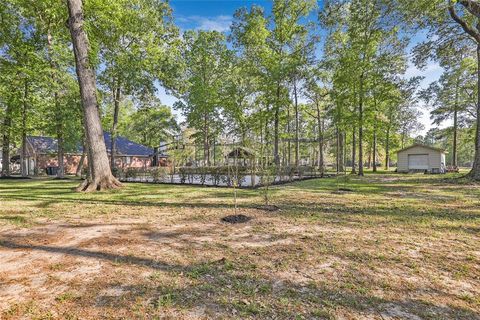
(394, 247)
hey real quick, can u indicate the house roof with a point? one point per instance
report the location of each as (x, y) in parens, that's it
(423, 146)
(125, 147)
(45, 144)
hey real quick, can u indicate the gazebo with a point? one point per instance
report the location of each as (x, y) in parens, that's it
(243, 153)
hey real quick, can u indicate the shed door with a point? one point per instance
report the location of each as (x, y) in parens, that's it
(418, 161)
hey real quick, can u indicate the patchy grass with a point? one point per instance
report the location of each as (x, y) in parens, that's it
(393, 247)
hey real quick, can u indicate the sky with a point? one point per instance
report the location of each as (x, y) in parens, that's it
(218, 15)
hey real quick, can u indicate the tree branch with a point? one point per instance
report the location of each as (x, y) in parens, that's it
(473, 32)
(472, 6)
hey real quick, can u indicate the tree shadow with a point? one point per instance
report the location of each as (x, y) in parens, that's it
(112, 257)
(226, 288)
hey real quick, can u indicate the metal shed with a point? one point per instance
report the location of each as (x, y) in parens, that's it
(421, 158)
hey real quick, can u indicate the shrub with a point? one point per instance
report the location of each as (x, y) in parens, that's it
(131, 173)
(158, 173)
(116, 172)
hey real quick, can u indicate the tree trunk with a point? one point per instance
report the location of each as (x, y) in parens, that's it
(354, 151)
(100, 176)
(374, 147)
(455, 127)
(215, 151)
(24, 167)
(297, 142)
(387, 150)
(113, 134)
(78, 172)
(360, 129)
(475, 172)
(341, 155)
(206, 147)
(6, 127)
(337, 148)
(321, 164)
(60, 145)
(289, 144)
(58, 111)
(369, 164)
(275, 128)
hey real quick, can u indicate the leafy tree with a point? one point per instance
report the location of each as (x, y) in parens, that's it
(151, 123)
(450, 21)
(133, 49)
(206, 63)
(274, 45)
(451, 98)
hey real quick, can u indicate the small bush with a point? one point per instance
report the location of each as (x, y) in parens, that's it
(158, 173)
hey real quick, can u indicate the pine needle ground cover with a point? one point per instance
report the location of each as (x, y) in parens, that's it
(391, 247)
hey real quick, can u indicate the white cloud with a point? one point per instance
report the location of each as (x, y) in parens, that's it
(219, 23)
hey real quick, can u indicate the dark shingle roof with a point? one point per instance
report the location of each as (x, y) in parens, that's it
(43, 144)
(124, 146)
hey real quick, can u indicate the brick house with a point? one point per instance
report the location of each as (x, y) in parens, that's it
(42, 154)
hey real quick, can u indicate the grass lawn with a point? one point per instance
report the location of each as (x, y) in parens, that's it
(394, 247)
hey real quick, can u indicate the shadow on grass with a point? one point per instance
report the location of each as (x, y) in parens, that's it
(224, 288)
(112, 257)
(47, 201)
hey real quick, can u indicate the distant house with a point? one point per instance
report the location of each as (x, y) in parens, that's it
(42, 154)
(421, 158)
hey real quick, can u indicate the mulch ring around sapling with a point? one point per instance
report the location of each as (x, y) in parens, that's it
(236, 218)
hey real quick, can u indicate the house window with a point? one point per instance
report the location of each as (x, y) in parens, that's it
(128, 160)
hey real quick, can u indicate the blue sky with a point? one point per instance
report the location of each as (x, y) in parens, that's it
(218, 14)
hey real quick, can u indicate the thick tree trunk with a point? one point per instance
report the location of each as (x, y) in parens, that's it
(23, 160)
(354, 151)
(100, 176)
(387, 150)
(297, 142)
(113, 134)
(475, 172)
(6, 130)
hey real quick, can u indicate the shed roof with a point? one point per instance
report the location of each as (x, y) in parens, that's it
(423, 146)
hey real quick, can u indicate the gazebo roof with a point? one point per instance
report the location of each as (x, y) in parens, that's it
(241, 153)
